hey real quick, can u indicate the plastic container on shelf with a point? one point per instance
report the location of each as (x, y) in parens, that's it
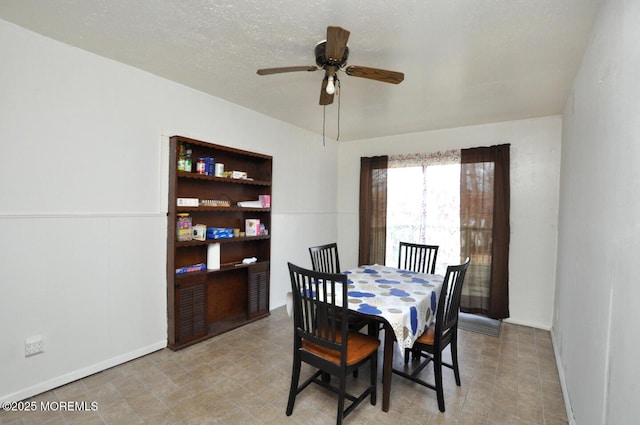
(184, 230)
(187, 161)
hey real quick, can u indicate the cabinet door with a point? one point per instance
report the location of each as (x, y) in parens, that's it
(191, 309)
(258, 290)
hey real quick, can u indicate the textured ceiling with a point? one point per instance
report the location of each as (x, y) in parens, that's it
(465, 61)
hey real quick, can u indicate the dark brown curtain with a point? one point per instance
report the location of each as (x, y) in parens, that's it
(485, 229)
(373, 210)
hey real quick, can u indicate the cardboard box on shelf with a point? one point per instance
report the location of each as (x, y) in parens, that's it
(252, 227)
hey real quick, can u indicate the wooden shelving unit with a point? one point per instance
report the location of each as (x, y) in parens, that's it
(206, 303)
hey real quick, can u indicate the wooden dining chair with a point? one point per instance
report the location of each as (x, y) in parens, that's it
(323, 340)
(324, 258)
(418, 258)
(439, 335)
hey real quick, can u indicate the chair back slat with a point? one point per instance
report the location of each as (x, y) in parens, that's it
(324, 258)
(318, 315)
(449, 300)
(417, 257)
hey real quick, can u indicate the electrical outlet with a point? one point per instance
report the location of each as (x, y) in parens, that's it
(33, 345)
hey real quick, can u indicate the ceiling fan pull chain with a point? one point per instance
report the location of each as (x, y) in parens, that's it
(324, 117)
(338, 136)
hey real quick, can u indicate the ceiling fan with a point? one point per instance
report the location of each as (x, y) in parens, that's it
(331, 55)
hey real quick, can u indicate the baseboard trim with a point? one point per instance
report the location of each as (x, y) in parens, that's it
(81, 373)
(563, 383)
(529, 324)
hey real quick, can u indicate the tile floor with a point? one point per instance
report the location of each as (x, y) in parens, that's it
(242, 377)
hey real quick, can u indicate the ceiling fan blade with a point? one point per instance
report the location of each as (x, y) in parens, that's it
(325, 98)
(336, 43)
(268, 71)
(375, 74)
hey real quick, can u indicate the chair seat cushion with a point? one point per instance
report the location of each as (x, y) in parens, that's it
(428, 336)
(359, 347)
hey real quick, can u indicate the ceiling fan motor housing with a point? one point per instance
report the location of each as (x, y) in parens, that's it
(323, 62)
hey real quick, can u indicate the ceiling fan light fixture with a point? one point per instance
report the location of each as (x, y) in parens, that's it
(331, 88)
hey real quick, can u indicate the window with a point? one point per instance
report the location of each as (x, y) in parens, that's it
(423, 206)
(458, 200)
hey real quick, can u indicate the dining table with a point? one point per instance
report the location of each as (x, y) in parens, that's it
(405, 303)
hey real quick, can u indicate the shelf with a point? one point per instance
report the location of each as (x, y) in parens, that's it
(196, 176)
(222, 148)
(220, 209)
(223, 268)
(239, 239)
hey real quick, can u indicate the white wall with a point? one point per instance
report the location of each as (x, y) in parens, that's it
(83, 204)
(595, 324)
(535, 159)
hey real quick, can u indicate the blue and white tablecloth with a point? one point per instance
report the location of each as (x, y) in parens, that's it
(406, 299)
